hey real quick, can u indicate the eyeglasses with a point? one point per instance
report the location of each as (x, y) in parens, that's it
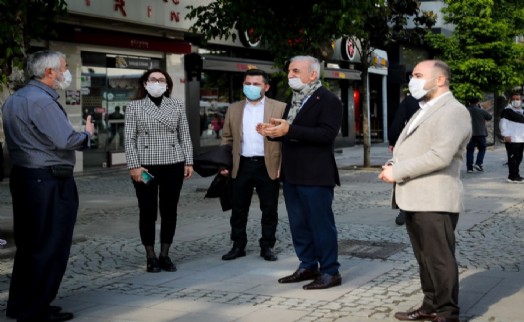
(156, 80)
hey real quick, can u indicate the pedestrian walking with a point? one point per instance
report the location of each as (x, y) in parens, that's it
(479, 116)
(256, 164)
(41, 143)
(159, 156)
(425, 171)
(513, 134)
(309, 172)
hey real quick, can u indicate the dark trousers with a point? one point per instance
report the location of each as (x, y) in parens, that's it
(514, 151)
(432, 236)
(161, 193)
(1, 162)
(252, 174)
(44, 215)
(312, 225)
(480, 143)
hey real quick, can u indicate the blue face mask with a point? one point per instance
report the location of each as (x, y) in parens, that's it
(252, 92)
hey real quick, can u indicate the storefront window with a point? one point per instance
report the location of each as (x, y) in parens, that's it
(217, 91)
(109, 82)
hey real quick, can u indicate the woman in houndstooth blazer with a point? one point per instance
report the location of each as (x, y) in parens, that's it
(158, 144)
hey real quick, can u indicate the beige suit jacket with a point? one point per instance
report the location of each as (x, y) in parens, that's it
(427, 162)
(232, 134)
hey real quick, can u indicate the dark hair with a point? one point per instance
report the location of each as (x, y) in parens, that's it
(141, 91)
(473, 100)
(257, 72)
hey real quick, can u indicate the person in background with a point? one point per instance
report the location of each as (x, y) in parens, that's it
(479, 116)
(405, 111)
(425, 172)
(217, 123)
(116, 128)
(256, 163)
(309, 172)
(513, 134)
(41, 143)
(157, 144)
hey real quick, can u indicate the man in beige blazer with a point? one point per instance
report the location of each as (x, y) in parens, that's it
(256, 163)
(425, 170)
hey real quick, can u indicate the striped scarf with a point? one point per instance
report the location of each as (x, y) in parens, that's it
(298, 99)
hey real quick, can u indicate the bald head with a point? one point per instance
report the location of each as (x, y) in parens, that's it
(436, 75)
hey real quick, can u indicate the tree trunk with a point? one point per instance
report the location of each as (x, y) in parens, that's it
(366, 133)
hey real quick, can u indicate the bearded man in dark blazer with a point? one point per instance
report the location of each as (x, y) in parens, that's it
(308, 130)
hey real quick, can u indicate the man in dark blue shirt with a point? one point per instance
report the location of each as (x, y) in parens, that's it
(41, 143)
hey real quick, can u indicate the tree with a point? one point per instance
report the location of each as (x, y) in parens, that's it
(21, 22)
(288, 28)
(482, 52)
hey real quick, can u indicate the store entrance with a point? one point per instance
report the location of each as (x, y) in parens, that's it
(109, 82)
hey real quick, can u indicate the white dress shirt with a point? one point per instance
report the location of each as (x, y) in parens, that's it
(424, 107)
(252, 142)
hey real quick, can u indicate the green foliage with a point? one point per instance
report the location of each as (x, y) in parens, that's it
(292, 27)
(482, 52)
(21, 22)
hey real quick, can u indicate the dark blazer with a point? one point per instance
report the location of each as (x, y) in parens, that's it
(308, 148)
(405, 111)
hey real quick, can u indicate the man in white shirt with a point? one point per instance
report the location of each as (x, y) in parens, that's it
(513, 133)
(256, 164)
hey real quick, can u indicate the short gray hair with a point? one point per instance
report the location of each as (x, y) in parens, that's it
(314, 64)
(40, 60)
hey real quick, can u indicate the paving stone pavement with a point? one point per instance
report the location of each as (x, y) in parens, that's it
(106, 279)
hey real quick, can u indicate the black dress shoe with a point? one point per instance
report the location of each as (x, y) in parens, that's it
(152, 265)
(53, 309)
(166, 264)
(268, 254)
(235, 252)
(417, 315)
(300, 275)
(59, 317)
(324, 281)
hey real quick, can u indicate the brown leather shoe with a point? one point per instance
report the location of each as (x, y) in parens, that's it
(444, 319)
(300, 275)
(417, 315)
(324, 281)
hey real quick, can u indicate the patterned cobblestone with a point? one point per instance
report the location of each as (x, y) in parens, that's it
(103, 261)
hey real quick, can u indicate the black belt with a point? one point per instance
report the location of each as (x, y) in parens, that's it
(256, 159)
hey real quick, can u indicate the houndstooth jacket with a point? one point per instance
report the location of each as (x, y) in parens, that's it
(157, 135)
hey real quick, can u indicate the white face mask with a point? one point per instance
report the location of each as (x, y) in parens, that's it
(416, 87)
(156, 89)
(516, 104)
(65, 81)
(296, 84)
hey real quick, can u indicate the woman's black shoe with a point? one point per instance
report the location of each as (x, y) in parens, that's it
(166, 264)
(153, 265)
